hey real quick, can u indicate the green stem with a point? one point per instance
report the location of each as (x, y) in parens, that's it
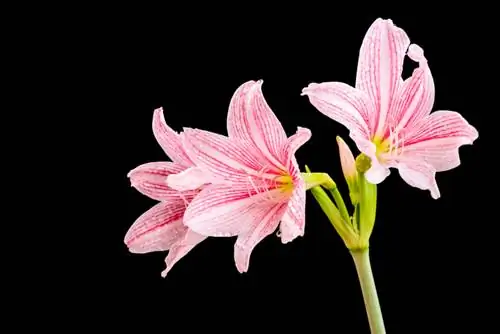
(372, 305)
(340, 204)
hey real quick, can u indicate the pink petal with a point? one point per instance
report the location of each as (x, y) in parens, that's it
(223, 157)
(437, 138)
(419, 175)
(378, 171)
(169, 140)
(181, 248)
(344, 104)
(189, 179)
(258, 230)
(294, 143)
(251, 119)
(157, 229)
(380, 67)
(416, 95)
(151, 179)
(294, 220)
(227, 210)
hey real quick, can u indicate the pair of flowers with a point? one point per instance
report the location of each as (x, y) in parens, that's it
(248, 183)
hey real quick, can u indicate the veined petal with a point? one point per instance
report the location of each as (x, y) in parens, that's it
(189, 179)
(157, 229)
(227, 210)
(380, 67)
(437, 138)
(264, 128)
(344, 104)
(419, 175)
(258, 230)
(224, 158)
(151, 179)
(169, 140)
(181, 248)
(294, 219)
(416, 96)
(294, 142)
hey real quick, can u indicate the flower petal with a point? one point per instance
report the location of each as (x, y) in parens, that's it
(344, 104)
(169, 140)
(151, 179)
(227, 210)
(416, 95)
(189, 179)
(380, 66)
(224, 158)
(259, 229)
(181, 248)
(251, 119)
(294, 142)
(419, 175)
(437, 138)
(294, 220)
(379, 170)
(157, 229)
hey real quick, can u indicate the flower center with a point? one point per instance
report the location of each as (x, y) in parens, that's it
(392, 144)
(285, 183)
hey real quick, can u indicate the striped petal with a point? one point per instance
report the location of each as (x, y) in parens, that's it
(294, 142)
(258, 229)
(344, 104)
(227, 210)
(169, 140)
(416, 96)
(419, 175)
(181, 248)
(157, 229)
(380, 66)
(294, 219)
(250, 119)
(437, 138)
(151, 179)
(224, 158)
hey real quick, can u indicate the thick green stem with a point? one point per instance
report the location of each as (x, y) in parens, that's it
(372, 305)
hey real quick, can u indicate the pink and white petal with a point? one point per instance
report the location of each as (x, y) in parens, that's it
(294, 142)
(441, 124)
(415, 97)
(224, 158)
(380, 66)
(441, 153)
(378, 170)
(237, 126)
(225, 210)
(260, 227)
(294, 220)
(169, 140)
(419, 175)
(151, 179)
(190, 179)
(181, 248)
(344, 104)
(157, 229)
(264, 128)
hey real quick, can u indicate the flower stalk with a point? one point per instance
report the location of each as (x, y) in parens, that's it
(363, 267)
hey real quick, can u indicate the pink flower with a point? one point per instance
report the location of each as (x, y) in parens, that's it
(256, 182)
(161, 227)
(389, 119)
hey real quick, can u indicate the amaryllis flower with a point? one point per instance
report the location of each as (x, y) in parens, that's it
(255, 180)
(389, 119)
(161, 227)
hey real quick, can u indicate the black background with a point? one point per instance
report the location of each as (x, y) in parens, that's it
(425, 254)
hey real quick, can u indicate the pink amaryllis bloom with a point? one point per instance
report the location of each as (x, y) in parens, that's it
(390, 118)
(256, 182)
(161, 228)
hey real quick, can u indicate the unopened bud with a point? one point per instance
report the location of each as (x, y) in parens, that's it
(363, 163)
